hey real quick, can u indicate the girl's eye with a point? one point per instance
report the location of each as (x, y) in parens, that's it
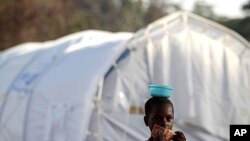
(169, 117)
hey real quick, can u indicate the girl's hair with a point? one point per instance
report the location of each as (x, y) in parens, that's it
(155, 100)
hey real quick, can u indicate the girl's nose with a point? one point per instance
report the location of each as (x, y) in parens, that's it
(163, 122)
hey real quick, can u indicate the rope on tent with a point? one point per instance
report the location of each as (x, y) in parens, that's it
(99, 105)
(132, 57)
(97, 114)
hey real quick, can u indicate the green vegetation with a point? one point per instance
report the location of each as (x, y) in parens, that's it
(36, 20)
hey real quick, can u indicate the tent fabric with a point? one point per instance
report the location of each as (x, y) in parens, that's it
(204, 68)
(34, 106)
(92, 85)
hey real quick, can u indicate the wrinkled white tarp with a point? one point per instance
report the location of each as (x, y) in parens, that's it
(207, 65)
(45, 87)
(93, 85)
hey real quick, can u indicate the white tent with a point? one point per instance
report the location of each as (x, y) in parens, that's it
(92, 85)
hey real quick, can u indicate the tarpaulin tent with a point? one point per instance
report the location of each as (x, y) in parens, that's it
(92, 85)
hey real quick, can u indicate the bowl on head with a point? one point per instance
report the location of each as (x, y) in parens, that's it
(160, 91)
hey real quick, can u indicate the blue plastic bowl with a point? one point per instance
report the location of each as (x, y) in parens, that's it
(160, 91)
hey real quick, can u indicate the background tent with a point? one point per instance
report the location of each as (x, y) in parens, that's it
(92, 85)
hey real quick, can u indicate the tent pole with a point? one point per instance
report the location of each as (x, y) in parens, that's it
(98, 108)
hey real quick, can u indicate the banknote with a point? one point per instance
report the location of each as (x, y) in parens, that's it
(168, 134)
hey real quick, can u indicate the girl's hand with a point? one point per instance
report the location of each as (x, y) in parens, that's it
(179, 136)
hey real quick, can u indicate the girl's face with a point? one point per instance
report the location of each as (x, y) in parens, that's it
(161, 114)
